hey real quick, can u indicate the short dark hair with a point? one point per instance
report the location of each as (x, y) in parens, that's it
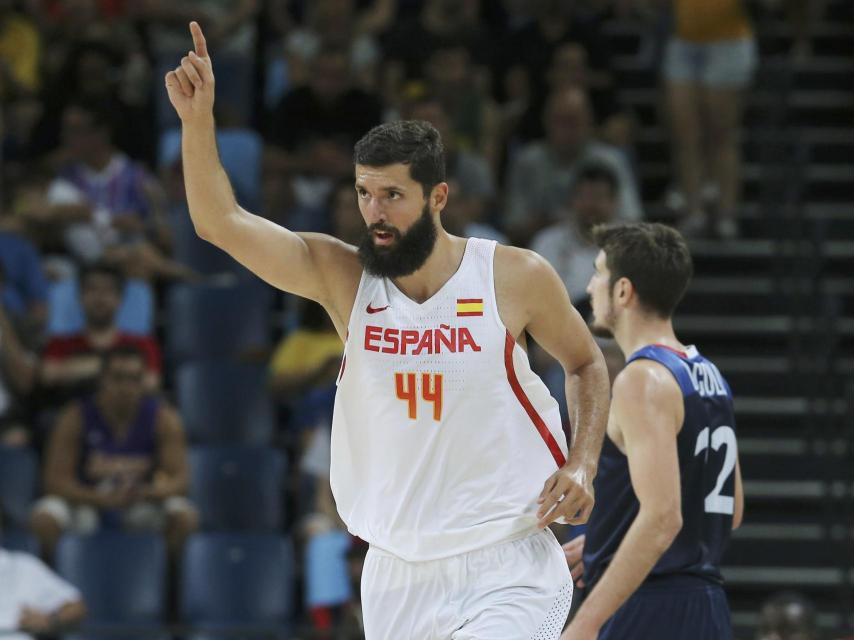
(103, 269)
(654, 257)
(596, 172)
(412, 142)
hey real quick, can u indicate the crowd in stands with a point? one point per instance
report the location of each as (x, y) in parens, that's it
(133, 357)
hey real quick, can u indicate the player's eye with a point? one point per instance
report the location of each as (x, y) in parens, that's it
(362, 193)
(393, 195)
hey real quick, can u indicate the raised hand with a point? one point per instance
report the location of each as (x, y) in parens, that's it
(191, 85)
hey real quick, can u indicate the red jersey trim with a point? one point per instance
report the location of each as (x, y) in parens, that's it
(681, 354)
(535, 417)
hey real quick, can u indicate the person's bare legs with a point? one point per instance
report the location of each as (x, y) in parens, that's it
(684, 111)
(722, 110)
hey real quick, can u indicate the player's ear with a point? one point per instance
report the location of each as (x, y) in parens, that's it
(439, 196)
(623, 290)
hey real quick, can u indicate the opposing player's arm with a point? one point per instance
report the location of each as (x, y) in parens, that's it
(541, 306)
(647, 408)
(314, 266)
(738, 514)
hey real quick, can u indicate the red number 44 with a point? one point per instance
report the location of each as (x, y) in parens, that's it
(431, 391)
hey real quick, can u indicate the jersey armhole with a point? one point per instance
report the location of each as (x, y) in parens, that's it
(493, 297)
(355, 306)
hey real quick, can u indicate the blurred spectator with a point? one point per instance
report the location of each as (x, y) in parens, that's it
(112, 206)
(18, 369)
(788, 616)
(541, 174)
(35, 601)
(334, 23)
(116, 459)
(20, 52)
(347, 222)
(230, 30)
(23, 285)
(469, 178)
(328, 107)
(438, 23)
(451, 79)
(311, 157)
(305, 365)
(568, 244)
(708, 65)
(72, 362)
(115, 76)
(530, 48)
(570, 68)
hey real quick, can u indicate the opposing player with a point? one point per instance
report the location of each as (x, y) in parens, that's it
(669, 486)
(448, 454)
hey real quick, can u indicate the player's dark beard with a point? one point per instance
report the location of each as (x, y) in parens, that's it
(409, 251)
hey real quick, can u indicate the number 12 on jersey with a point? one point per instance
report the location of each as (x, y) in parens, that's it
(721, 436)
(431, 391)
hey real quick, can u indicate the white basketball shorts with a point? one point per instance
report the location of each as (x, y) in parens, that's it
(515, 590)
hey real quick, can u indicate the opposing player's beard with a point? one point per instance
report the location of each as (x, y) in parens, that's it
(409, 251)
(604, 329)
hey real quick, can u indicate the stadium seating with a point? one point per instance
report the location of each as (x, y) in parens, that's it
(18, 482)
(237, 488)
(208, 321)
(122, 577)
(224, 402)
(237, 581)
(240, 151)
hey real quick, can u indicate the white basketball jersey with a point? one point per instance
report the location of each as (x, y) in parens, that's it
(442, 436)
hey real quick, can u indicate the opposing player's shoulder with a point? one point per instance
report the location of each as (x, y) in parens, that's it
(645, 385)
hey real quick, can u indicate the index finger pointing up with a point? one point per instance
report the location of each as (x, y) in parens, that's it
(199, 40)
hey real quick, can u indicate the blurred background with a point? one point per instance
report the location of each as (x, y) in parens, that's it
(164, 416)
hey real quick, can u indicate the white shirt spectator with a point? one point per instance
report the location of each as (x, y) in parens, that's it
(570, 255)
(27, 582)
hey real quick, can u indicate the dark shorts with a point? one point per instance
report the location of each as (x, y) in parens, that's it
(672, 610)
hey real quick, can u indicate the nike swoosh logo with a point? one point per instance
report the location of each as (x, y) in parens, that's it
(371, 309)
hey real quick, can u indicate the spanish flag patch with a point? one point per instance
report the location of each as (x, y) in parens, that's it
(469, 307)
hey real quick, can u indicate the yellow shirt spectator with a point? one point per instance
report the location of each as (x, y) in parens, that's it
(711, 20)
(305, 350)
(19, 51)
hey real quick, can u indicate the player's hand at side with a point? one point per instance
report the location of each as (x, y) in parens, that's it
(567, 494)
(574, 550)
(191, 84)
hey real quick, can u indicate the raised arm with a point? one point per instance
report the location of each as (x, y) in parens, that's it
(313, 266)
(541, 307)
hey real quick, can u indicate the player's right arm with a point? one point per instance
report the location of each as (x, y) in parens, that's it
(648, 410)
(314, 266)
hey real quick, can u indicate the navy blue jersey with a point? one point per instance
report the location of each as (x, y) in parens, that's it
(111, 462)
(707, 458)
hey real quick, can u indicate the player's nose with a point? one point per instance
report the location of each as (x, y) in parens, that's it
(374, 212)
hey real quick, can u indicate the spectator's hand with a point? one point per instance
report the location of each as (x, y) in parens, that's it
(568, 494)
(573, 550)
(118, 498)
(33, 622)
(191, 85)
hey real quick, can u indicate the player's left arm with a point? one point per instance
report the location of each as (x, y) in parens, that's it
(738, 514)
(648, 409)
(557, 327)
